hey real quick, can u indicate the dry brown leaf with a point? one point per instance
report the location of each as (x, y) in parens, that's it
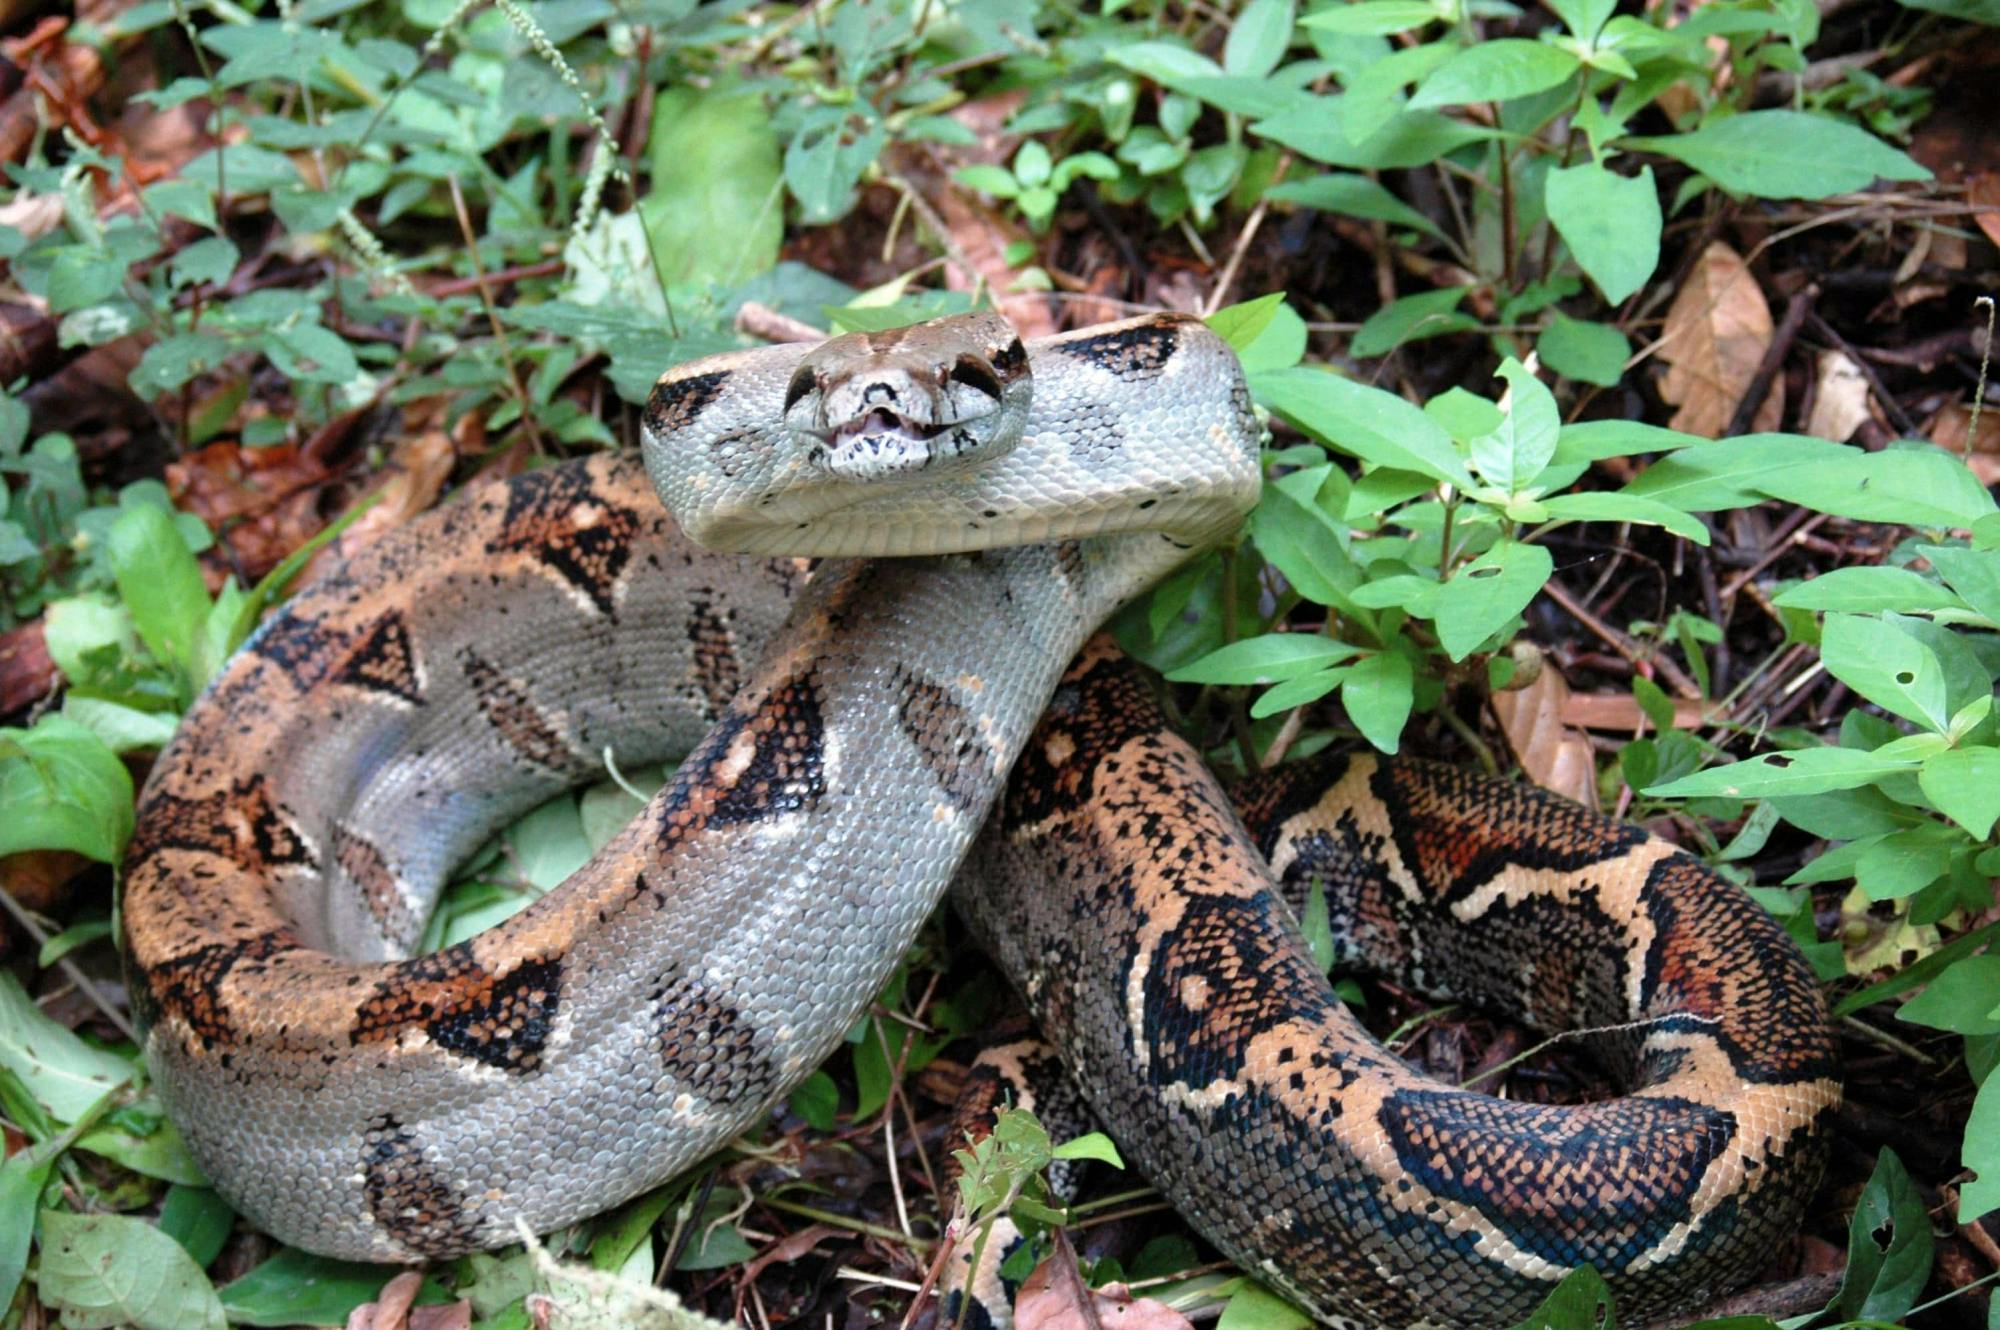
(1948, 430)
(419, 469)
(1620, 713)
(1053, 1299)
(26, 673)
(444, 1316)
(39, 879)
(1983, 193)
(1840, 400)
(391, 1308)
(1555, 756)
(1717, 331)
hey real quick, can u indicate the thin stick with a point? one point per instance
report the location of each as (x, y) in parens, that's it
(69, 968)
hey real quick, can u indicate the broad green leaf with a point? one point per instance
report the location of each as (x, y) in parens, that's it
(1495, 71)
(715, 210)
(1412, 319)
(309, 353)
(298, 1288)
(1961, 999)
(1918, 486)
(1511, 456)
(61, 788)
(1352, 195)
(1587, 352)
(1730, 473)
(1482, 597)
(1368, 423)
(66, 1076)
(1378, 694)
(1806, 771)
(1254, 1307)
(1973, 574)
(1258, 38)
(198, 1219)
(1888, 1248)
(1604, 506)
(1785, 154)
(1373, 17)
(1982, 1154)
(1403, 140)
(1265, 333)
(1091, 1145)
(1265, 659)
(162, 586)
(1894, 671)
(1596, 439)
(1584, 18)
(1964, 783)
(1861, 590)
(988, 178)
(1974, 11)
(1301, 543)
(1242, 323)
(824, 161)
(1465, 416)
(1903, 863)
(1580, 1302)
(1299, 692)
(113, 1270)
(1163, 62)
(1610, 222)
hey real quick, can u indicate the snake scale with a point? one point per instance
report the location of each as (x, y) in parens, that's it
(845, 736)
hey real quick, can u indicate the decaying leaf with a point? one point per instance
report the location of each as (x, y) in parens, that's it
(1620, 713)
(1982, 192)
(1840, 400)
(1717, 331)
(1952, 426)
(1054, 1299)
(1874, 943)
(1555, 756)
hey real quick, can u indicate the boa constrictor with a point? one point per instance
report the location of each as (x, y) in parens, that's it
(844, 744)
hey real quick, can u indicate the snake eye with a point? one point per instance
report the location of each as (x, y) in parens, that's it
(804, 380)
(976, 373)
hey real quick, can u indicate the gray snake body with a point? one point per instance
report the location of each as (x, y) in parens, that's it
(372, 734)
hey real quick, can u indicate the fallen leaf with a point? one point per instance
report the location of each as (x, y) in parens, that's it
(1951, 426)
(26, 673)
(419, 469)
(1055, 1299)
(1619, 712)
(444, 1316)
(1983, 193)
(39, 879)
(391, 1308)
(1874, 943)
(1840, 399)
(1717, 331)
(1555, 756)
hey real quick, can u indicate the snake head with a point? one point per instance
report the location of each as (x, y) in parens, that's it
(932, 398)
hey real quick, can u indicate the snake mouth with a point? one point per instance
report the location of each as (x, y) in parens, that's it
(883, 425)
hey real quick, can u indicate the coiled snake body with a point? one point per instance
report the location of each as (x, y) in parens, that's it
(360, 1103)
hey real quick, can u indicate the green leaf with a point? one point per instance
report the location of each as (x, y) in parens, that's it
(61, 788)
(1917, 486)
(1861, 590)
(1785, 154)
(1352, 195)
(1091, 1145)
(210, 259)
(715, 210)
(1594, 440)
(1962, 999)
(1894, 671)
(1368, 423)
(1412, 319)
(1163, 62)
(1982, 1154)
(1964, 783)
(1888, 1248)
(113, 1270)
(161, 585)
(1604, 506)
(1299, 692)
(1300, 541)
(1580, 1302)
(198, 1219)
(1265, 659)
(1243, 323)
(817, 1100)
(1378, 694)
(1258, 39)
(1610, 222)
(1902, 863)
(1376, 18)
(825, 159)
(1973, 574)
(1495, 71)
(1587, 352)
(1403, 140)
(66, 1076)
(1511, 456)
(1807, 771)
(1483, 596)
(1254, 1307)
(298, 1288)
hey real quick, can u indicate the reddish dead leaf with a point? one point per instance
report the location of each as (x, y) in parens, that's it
(446, 1316)
(1949, 428)
(786, 1250)
(39, 879)
(421, 466)
(1840, 398)
(1555, 756)
(391, 1309)
(1620, 713)
(1983, 193)
(1054, 1298)
(1717, 331)
(26, 673)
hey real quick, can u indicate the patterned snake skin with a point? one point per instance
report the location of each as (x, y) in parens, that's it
(844, 743)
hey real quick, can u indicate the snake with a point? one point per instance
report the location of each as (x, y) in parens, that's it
(884, 552)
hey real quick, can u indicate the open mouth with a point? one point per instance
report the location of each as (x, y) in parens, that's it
(879, 423)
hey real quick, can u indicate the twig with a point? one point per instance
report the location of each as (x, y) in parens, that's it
(1796, 310)
(1243, 239)
(1623, 645)
(69, 967)
(514, 380)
